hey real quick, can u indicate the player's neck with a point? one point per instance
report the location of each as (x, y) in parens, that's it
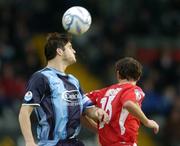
(58, 66)
(124, 81)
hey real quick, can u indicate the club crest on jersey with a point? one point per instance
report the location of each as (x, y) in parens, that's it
(138, 94)
(28, 96)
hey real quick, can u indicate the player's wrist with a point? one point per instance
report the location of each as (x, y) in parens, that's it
(93, 113)
(99, 115)
(29, 140)
(32, 143)
(149, 123)
(146, 122)
(96, 112)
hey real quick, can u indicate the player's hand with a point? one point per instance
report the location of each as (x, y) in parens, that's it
(152, 124)
(102, 115)
(31, 144)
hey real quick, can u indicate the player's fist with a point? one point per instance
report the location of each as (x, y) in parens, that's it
(102, 115)
(152, 124)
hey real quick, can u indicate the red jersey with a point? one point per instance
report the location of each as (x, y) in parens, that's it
(123, 127)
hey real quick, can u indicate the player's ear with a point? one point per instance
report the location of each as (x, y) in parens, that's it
(117, 75)
(59, 51)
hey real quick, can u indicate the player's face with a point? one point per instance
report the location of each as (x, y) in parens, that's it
(69, 53)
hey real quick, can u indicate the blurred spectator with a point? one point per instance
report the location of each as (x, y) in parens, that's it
(171, 130)
(12, 87)
(147, 30)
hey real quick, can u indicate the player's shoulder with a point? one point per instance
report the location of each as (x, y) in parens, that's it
(134, 91)
(138, 92)
(38, 75)
(72, 77)
(130, 88)
(136, 87)
(113, 89)
(120, 87)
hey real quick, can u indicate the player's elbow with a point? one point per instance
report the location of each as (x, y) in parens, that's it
(20, 115)
(128, 104)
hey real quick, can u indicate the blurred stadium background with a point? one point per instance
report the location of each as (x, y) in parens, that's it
(148, 30)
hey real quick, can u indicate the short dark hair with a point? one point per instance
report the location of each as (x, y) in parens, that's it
(55, 40)
(129, 68)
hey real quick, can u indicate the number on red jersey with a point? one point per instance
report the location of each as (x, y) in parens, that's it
(106, 102)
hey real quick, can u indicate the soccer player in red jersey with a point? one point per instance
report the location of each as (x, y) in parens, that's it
(122, 101)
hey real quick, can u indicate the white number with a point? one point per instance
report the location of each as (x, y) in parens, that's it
(103, 102)
(106, 102)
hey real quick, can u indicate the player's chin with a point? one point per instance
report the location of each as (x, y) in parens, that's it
(73, 60)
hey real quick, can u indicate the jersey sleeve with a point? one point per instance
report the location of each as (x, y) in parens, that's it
(35, 89)
(93, 96)
(134, 94)
(87, 103)
(96, 94)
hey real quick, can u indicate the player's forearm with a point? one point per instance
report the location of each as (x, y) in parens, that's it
(25, 124)
(89, 123)
(90, 112)
(136, 111)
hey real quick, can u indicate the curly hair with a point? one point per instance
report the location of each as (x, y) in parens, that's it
(55, 40)
(128, 68)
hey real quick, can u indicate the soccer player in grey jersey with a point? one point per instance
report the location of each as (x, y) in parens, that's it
(57, 99)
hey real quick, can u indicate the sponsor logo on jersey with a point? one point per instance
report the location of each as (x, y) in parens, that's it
(56, 83)
(28, 96)
(71, 97)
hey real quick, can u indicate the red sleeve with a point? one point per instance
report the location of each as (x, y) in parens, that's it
(133, 94)
(94, 95)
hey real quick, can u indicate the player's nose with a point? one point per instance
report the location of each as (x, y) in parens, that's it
(74, 51)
